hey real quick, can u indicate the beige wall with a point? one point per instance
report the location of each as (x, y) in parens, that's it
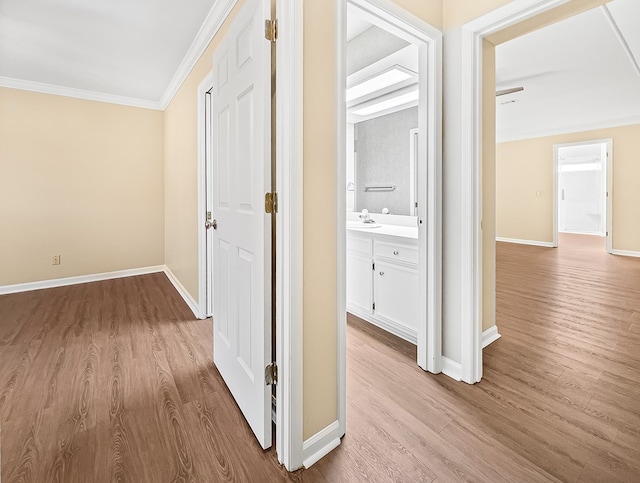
(525, 167)
(320, 397)
(181, 170)
(458, 12)
(80, 179)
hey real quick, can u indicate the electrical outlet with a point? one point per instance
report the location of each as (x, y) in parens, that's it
(56, 260)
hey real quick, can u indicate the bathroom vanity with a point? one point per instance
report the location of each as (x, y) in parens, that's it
(382, 277)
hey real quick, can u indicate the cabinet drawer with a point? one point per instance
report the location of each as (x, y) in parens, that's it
(359, 245)
(404, 253)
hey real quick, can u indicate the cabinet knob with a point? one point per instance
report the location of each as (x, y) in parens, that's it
(396, 252)
(381, 273)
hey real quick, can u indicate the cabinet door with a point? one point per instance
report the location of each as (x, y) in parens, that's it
(359, 282)
(396, 293)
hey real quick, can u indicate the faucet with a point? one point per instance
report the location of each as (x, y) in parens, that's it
(365, 217)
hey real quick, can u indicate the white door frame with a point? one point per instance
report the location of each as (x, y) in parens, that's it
(429, 39)
(289, 241)
(607, 162)
(471, 37)
(205, 275)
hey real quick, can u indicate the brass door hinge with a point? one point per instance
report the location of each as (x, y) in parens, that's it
(271, 374)
(271, 30)
(271, 203)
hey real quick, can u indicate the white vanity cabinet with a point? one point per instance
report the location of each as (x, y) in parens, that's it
(382, 280)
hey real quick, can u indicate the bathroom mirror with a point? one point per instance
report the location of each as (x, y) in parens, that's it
(382, 123)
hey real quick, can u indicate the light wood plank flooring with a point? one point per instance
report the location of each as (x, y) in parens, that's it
(114, 381)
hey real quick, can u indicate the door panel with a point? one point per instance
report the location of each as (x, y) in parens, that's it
(242, 255)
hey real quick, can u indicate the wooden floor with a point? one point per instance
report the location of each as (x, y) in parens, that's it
(113, 381)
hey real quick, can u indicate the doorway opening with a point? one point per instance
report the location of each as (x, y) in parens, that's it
(582, 189)
(478, 39)
(382, 130)
(390, 173)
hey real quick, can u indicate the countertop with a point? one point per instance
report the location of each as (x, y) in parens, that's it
(387, 230)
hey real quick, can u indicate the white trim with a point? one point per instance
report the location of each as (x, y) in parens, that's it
(534, 243)
(212, 23)
(289, 234)
(321, 444)
(203, 273)
(184, 293)
(490, 335)
(451, 368)
(609, 195)
(341, 211)
(472, 36)
(413, 168)
(503, 137)
(63, 282)
(626, 253)
(25, 85)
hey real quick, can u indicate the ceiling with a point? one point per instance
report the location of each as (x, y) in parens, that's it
(125, 48)
(577, 74)
(356, 25)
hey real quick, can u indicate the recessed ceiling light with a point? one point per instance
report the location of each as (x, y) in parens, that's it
(388, 103)
(378, 82)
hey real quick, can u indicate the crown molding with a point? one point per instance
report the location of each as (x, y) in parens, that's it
(43, 88)
(216, 17)
(591, 126)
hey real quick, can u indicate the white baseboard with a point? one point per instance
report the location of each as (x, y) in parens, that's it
(451, 368)
(321, 444)
(490, 335)
(63, 282)
(626, 253)
(534, 243)
(394, 328)
(184, 293)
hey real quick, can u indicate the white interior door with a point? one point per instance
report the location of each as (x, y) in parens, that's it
(242, 231)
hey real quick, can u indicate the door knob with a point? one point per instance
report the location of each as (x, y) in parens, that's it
(211, 224)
